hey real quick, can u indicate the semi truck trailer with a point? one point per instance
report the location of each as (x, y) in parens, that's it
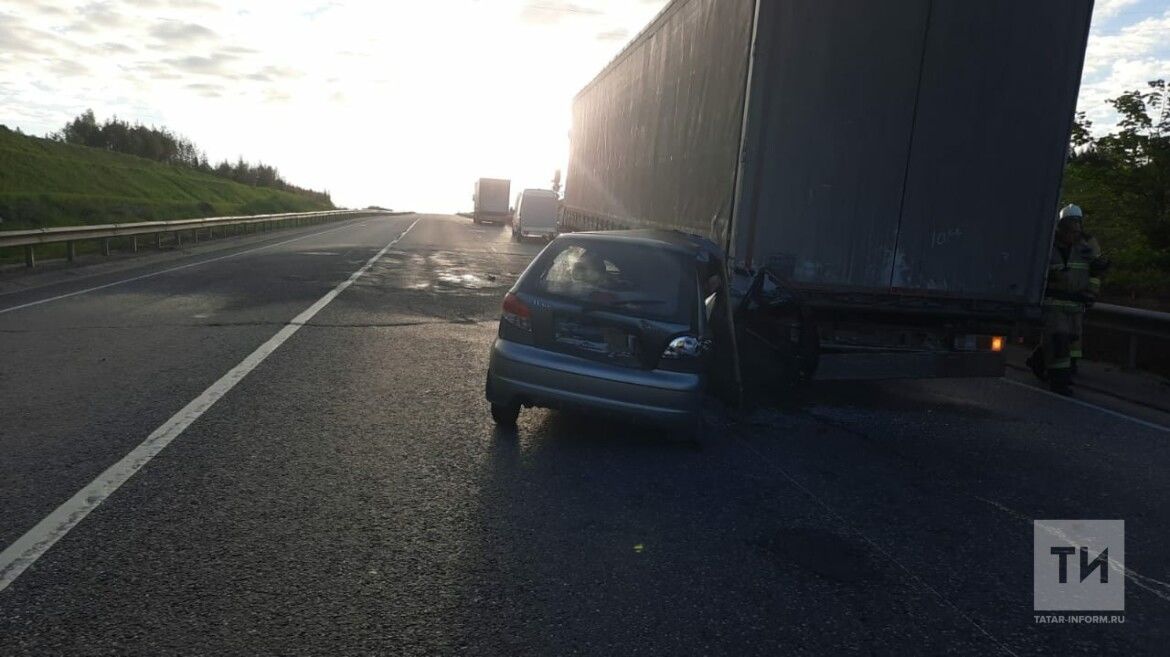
(491, 198)
(883, 176)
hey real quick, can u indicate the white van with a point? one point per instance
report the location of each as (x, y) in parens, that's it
(536, 214)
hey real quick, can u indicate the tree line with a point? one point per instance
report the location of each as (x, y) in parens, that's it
(1122, 180)
(162, 145)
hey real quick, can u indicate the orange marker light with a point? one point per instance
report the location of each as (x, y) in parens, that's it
(997, 343)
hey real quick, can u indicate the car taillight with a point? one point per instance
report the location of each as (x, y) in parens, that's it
(685, 347)
(517, 313)
(684, 353)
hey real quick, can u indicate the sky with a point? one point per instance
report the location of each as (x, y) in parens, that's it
(398, 103)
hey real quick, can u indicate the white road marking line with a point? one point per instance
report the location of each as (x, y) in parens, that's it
(36, 541)
(1072, 400)
(1155, 586)
(172, 269)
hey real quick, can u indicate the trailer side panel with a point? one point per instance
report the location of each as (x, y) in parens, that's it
(656, 135)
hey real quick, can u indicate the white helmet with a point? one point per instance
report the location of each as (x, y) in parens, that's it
(1072, 211)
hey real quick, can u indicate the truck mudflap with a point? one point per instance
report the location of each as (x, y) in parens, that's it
(869, 366)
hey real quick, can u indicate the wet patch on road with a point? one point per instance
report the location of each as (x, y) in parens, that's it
(449, 279)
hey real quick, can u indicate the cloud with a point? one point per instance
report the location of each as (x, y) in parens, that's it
(1121, 60)
(549, 12)
(215, 64)
(177, 32)
(616, 34)
(20, 40)
(276, 96)
(68, 68)
(113, 48)
(101, 14)
(1111, 8)
(275, 73)
(198, 5)
(153, 70)
(50, 10)
(206, 89)
(1146, 38)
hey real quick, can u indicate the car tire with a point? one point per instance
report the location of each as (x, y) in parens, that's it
(506, 415)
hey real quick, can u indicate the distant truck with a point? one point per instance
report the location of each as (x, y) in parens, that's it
(883, 176)
(491, 201)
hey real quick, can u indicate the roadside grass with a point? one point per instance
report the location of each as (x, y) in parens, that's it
(45, 183)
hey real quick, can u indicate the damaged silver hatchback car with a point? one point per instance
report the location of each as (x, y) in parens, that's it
(616, 322)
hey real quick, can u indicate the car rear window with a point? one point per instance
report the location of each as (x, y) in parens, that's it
(630, 279)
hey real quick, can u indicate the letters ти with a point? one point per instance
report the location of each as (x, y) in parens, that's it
(1087, 567)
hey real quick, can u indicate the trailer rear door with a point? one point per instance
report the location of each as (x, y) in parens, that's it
(998, 92)
(836, 83)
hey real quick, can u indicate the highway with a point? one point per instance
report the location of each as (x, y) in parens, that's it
(330, 481)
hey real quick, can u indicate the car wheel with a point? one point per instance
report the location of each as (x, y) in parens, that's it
(506, 415)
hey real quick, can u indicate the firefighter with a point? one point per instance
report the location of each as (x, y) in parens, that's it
(1074, 281)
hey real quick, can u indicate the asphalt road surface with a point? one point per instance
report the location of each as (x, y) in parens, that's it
(344, 491)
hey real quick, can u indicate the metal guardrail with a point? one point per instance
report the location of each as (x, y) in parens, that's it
(70, 235)
(1134, 323)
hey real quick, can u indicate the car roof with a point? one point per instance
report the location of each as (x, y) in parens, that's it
(539, 191)
(674, 240)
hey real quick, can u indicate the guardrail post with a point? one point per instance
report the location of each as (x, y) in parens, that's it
(195, 236)
(106, 246)
(158, 240)
(178, 239)
(30, 256)
(70, 251)
(133, 244)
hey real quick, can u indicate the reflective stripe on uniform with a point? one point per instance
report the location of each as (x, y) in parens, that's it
(1074, 306)
(1076, 353)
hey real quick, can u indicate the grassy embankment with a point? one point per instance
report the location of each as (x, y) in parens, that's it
(45, 183)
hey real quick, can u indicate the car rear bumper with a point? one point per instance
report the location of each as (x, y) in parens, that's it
(536, 377)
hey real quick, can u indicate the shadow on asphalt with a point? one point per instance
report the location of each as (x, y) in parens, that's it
(889, 396)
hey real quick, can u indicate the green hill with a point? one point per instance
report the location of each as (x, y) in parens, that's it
(47, 183)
